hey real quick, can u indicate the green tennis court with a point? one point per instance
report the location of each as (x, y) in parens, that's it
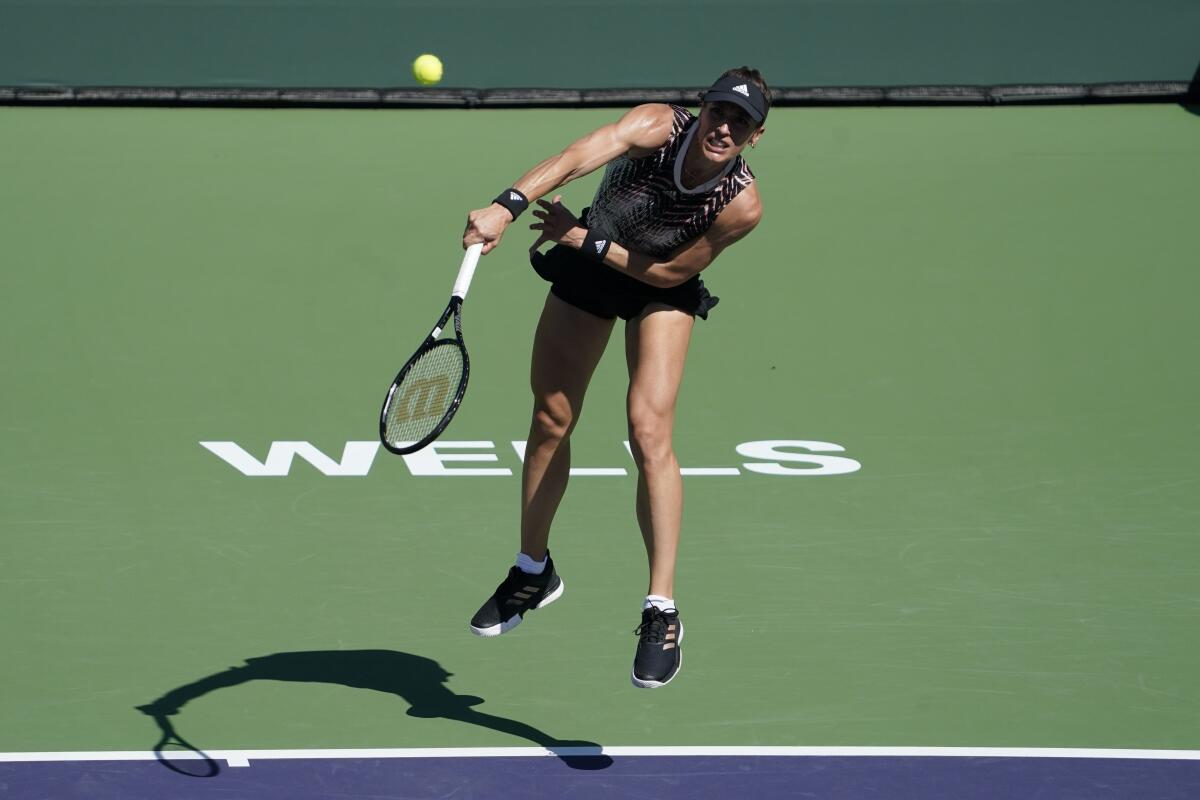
(941, 434)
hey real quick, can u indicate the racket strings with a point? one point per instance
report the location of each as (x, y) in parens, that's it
(426, 394)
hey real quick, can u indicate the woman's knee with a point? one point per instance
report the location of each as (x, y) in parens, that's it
(553, 417)
(650, 434)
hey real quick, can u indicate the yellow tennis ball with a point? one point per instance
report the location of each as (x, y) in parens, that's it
(427, 69)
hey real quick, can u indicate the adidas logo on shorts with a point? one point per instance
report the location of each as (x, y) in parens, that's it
(742, 89)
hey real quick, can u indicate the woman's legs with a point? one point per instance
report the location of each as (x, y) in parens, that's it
(656, 345)
(566, 349)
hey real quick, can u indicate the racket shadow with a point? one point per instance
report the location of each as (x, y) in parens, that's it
(419, 681)
(170, 739)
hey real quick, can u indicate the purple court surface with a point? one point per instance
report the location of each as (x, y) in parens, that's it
(623, 776)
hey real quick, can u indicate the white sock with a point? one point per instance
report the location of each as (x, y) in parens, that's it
(659, 602)
(529, 566)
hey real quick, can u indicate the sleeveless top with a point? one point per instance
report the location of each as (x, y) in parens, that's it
(642, 203)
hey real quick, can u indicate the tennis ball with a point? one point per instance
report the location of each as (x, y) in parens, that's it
(427, 69)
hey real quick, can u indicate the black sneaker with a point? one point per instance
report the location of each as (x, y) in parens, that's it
(519, 593)
(658, 655)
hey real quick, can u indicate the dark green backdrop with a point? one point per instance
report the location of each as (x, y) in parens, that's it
(590, 44)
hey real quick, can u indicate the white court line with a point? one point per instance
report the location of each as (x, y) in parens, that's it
(242, 758)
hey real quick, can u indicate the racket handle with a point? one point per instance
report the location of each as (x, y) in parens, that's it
(467, 271)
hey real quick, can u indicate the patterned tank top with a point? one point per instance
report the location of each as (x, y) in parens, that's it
(643, 204)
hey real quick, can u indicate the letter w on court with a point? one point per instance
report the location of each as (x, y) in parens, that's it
(357, 458)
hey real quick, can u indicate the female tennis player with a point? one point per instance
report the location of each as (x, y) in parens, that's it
(675, 194)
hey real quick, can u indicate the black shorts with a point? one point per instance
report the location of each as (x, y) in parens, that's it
(604, 292)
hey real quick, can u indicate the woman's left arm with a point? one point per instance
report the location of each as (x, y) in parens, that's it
(737, 219)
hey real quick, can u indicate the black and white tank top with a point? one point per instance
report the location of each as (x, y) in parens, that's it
(642, 203)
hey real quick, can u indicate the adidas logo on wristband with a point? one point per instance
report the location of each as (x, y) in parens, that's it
(513, 200)
(594, 248)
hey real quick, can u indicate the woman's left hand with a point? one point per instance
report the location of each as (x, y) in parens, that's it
(557, 224)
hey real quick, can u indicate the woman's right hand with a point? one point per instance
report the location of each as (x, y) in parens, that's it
(486, 225)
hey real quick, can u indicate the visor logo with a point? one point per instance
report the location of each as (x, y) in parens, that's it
(742, 89)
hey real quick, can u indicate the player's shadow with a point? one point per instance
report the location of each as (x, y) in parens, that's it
(419, 681)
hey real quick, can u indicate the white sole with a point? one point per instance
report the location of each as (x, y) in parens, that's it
(508, 624)
(641, 684)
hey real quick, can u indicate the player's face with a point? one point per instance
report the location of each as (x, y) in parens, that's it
(725, 130)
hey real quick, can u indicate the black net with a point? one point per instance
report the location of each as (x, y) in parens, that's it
(402, 97)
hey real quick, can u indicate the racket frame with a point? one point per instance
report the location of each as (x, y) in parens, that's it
(454, 307)
(462, 284)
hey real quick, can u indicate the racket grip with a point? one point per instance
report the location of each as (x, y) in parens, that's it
(467, 271)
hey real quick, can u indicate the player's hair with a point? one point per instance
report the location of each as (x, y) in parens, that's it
(752, 75)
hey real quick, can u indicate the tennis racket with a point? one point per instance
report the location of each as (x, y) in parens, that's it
(430, 387)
